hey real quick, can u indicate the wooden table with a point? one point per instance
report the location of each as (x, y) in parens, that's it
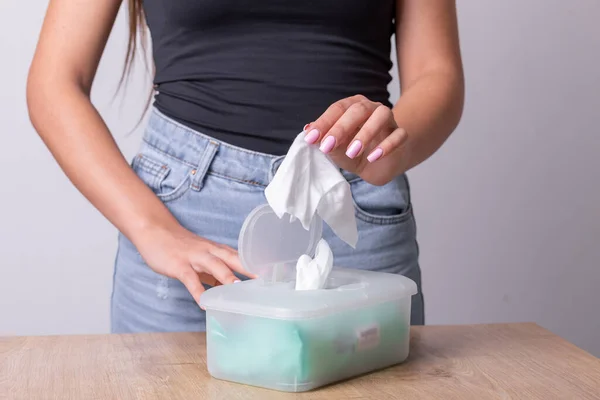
(504, 361)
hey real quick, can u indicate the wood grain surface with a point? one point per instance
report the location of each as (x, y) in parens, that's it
(503, 361)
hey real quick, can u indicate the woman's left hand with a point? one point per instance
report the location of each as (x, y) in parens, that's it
(360, 136)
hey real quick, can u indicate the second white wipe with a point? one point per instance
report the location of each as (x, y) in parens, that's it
(312, 273)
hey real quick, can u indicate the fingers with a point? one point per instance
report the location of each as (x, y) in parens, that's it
(317, 129)
(377, 122)
(393, 142)
(213, 265)
(191, 281)
(346, 127)
(208, 279)
(359, 125)
(232, 259)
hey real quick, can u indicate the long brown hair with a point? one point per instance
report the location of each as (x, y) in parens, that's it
(137, 27)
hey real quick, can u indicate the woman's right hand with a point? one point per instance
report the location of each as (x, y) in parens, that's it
(183, 255)
(71, 43)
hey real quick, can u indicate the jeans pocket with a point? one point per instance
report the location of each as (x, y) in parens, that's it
(168, 178)
(382, 205)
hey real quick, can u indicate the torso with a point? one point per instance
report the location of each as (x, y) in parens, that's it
(252, 73)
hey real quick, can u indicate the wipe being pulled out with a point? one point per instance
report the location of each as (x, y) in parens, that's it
(308, 183)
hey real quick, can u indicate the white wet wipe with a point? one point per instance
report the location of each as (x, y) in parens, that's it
(312, 273)
(308, 183)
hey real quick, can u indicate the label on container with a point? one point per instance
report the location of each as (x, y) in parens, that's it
(367, 338)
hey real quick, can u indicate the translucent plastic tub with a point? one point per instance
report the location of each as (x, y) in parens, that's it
(264, 333)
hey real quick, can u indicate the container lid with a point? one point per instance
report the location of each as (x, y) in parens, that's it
(269, 246)
(346, 289)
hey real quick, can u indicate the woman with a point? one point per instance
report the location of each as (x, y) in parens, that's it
(236, 80)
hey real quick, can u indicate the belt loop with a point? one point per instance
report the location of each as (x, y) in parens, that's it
(205, 161)
(275, 166)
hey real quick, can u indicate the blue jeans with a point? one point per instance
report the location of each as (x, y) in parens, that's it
(210, 187)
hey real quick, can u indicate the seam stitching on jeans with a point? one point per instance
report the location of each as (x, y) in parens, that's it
(164, 153)
(230, 178)
(383, 220)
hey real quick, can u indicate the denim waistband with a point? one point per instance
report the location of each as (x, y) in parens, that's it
(195, 148)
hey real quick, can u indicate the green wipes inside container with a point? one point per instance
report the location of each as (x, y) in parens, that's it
(265, 333)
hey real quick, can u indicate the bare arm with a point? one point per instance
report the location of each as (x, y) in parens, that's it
(431, 75)
(71, 43)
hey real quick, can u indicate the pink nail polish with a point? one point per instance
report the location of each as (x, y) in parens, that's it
(328, 144)
(375, 155)
(354, 149)
(312, 136)
(237, 281)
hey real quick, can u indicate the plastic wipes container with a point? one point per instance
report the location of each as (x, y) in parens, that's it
(265, 333)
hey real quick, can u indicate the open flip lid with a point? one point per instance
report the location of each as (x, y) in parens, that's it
(270, 247)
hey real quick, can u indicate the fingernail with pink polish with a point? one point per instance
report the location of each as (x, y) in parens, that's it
(312, 136)
(237, 281)
(354, 149)
(328, 144)
(375, 155)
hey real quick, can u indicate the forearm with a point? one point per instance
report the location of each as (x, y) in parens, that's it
(429, 110)
(80, 141)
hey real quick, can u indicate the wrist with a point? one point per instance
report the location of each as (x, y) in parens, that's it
(405, 155)
(144, 230)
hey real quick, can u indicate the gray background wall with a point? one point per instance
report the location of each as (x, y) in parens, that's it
(508, 210)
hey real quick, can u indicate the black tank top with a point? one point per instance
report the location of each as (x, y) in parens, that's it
(252, 73)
